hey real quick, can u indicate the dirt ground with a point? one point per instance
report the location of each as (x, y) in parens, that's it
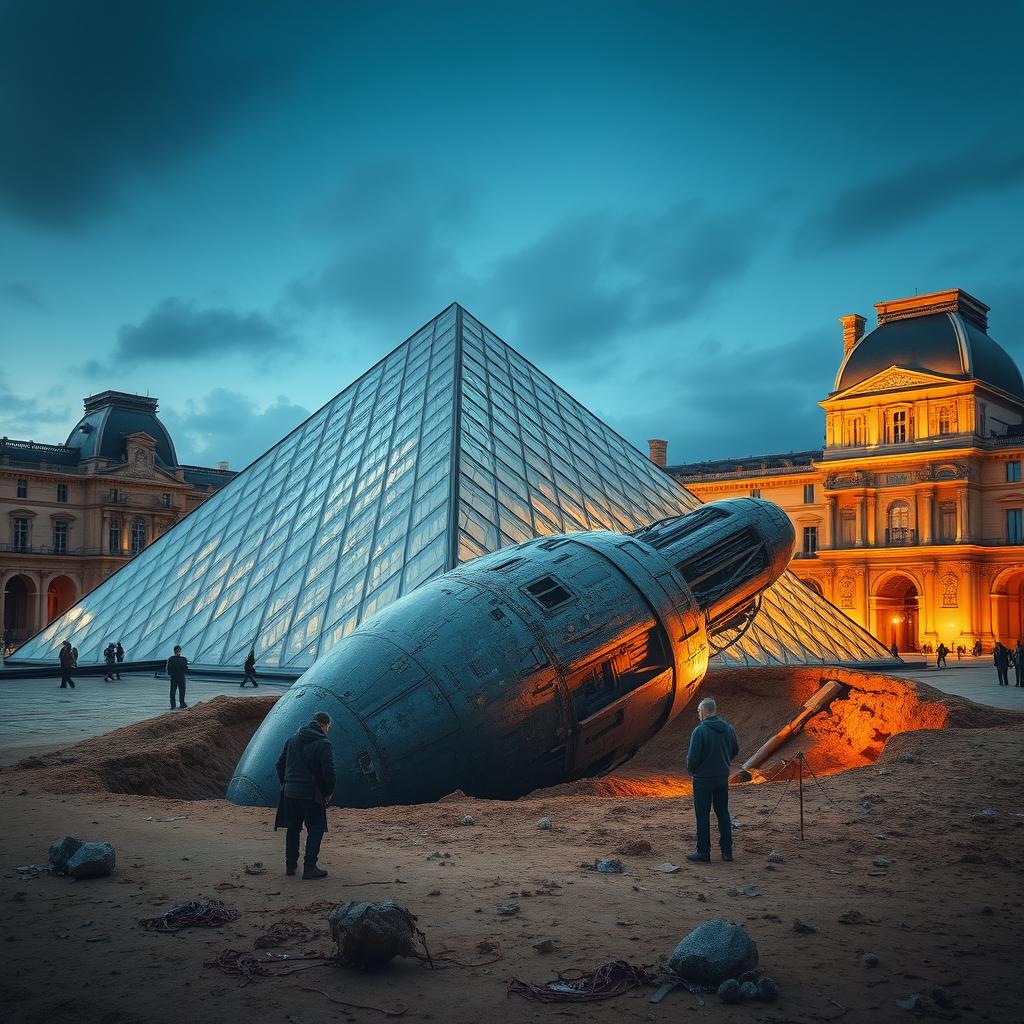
(946, 910)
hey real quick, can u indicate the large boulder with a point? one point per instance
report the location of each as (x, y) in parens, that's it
(713, 952)
(61, 851)
(371, 934)
(92, 860)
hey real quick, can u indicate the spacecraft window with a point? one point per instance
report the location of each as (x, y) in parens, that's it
(548, 592)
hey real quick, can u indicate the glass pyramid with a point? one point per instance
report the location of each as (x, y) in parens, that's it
(453, 445)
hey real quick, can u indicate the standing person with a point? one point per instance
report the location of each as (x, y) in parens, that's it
(119, 655)
(1018, 663)
(177, 670)
(713, 745)
(305, 770)
(74, 657)
(108, 657)
(894, 650)
(1001, 658)
(940, 656)
(67, 663)
(250, 669)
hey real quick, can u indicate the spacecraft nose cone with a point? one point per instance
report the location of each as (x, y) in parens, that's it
(776, 529)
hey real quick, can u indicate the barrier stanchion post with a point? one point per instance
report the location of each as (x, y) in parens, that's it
(800, 779)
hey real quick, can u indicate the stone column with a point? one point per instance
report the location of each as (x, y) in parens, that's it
(105, 533)
(862, 596)
(930, 635)
(965, 515)
(829, 585)
(860, 522)
(984, 587)
(925, 526)
(960, 525)
(830, 522)
(872, 514)
(40, 606)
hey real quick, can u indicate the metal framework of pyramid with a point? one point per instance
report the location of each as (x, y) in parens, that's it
(453, 445)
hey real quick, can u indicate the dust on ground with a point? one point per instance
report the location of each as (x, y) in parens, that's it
(933, 883)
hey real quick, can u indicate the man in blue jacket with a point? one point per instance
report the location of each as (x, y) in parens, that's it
(713, 745)
(306, 772)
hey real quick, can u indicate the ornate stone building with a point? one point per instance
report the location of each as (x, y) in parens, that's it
(71, 514)
(910, 518)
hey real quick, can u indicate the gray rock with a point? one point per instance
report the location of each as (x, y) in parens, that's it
(609, 866)
(775, 857)
(467, 819)
(371, 934)
(748, 991)
(544, 824)
(906, 758)
(870, 959)
(729, 991)
(61, 851)
(92, 860)
(767, 990)
(882, 862)
(713, 952)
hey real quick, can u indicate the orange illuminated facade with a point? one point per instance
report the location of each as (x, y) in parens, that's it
(910, 518)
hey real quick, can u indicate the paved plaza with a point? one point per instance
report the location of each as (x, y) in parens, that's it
(35, 714)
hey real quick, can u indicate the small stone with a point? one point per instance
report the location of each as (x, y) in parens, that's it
(609, 866)
(913, 1002)
(467, 819)
(434, 892)
(667, 868)
(775, 857)
(544, 824)
(802, 927)
(906, 757)
(544, 946)
(748, 991)
(986, 817)
(941, 997)
(729, 991)
(751, 890)
(870, 959)
(852, 917)
(768, 990)
(713, 952)
(881, 862)
(61, 851)
(92, 860)
(508, 907)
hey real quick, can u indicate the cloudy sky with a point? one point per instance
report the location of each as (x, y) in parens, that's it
(238, 207)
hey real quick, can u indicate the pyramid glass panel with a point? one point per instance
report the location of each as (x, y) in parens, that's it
(452, 446)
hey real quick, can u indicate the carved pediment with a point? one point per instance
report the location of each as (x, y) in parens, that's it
(894, 378)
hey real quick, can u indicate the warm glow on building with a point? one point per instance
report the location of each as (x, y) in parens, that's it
(910, 518)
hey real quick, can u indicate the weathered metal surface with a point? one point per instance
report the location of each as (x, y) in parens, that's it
(552, 660)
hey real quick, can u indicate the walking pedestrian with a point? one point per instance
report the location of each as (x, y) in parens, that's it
(940, 656)
(108, 657)
(894, 650)
(1001, 658)
(74, 657)
(67, 663)
(1018, 663)
(177, 671)
(713, 745)
(119, 655)
(305, 770)
(250, 669)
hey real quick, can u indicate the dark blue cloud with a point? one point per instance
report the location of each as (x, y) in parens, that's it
(20, 294)
(94, 94)
(885, 204)
(179, 330)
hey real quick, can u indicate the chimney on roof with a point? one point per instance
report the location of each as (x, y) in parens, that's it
(222, 465)
(853, 330)
(659, 452)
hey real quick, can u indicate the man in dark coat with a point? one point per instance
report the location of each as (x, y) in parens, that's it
(177, 672)
(1001, 657)
(250, 669)
(713, 745)
(1018, 663)
(305, 770)
(108, 657)
(119, 656)
(67, 663)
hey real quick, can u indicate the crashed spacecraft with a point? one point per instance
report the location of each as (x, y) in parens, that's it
(549, 661)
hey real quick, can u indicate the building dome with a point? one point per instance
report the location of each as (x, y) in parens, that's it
(945, 333)
(109, 418)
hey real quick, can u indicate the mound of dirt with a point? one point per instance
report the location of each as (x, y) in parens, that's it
(186, 755)
(759, 702)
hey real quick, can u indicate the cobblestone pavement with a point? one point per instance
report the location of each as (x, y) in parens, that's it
(36, 713)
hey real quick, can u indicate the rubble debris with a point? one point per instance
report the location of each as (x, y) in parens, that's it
(767, 990)
(775, 857)
(610, 980)
(284, 932)
(193, 914)
(61, 851)
(91, 860)
(712, 952)
(372, 934)
(508, 907)
(729, 991)
(748, 991)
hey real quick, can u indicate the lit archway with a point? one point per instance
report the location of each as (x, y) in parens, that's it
(60, 596)
(19, 616)
(813, 585)
(897, 612)
(1008, 605)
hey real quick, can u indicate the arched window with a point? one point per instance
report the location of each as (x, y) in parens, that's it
(898, 531)
(138, 536)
